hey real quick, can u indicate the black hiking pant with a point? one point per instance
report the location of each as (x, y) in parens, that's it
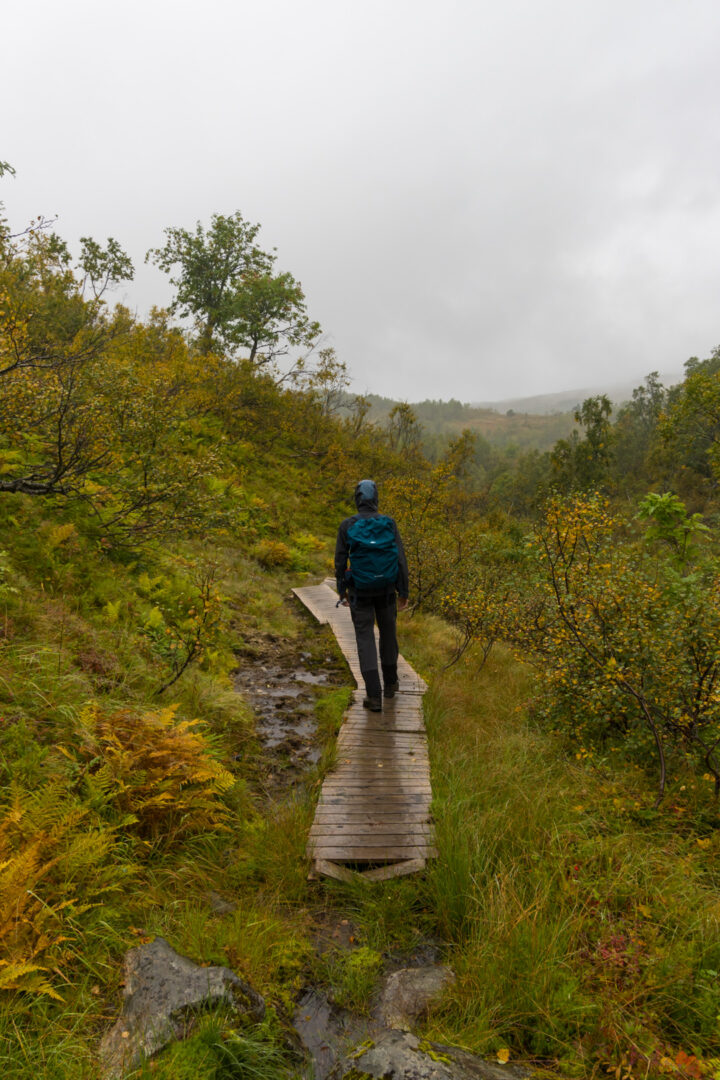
(366, 611)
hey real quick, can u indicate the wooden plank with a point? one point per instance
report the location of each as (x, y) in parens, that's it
(376, 779)
(389, 740)
(375, 800)
(326, 848)
(390, 714)
(409, 754)
(374, 782)
(328, 817)
(356, 744)
(368, 748)
(381, 737)
(376, 788)
(379, 788)
(372, 765)
(375, 767)
(348, 849)
(396, 760)
(391, 798)
(328, 868)
(417, 830)
(405, 727)
(372, 837)
(358, 853)
(314, 600)
(363, 828)
(407, 723)
(392, 870)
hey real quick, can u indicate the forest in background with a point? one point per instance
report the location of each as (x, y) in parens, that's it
(504, 433)
(161, 490)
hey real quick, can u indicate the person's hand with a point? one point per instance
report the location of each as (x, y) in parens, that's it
(402, 603)
(345, 602)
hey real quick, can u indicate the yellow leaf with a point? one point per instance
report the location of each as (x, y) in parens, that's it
(503, 1055)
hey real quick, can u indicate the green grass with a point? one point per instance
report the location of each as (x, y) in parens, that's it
(352, 976)
(578, 933)
(72, 630)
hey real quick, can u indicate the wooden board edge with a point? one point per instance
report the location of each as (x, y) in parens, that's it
(309, 606)
(327, 868)
(392, 870)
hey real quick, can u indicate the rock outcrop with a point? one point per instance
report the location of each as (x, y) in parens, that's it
(162, 989)
(398, 1055)
(408, 993)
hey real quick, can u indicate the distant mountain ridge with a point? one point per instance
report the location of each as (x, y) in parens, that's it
(567, 400)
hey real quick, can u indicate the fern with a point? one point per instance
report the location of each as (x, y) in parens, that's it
(27, 977)
(157, 774)
(60, 534)
(57, 863)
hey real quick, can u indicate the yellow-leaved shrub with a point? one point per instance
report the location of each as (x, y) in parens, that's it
(271, 553)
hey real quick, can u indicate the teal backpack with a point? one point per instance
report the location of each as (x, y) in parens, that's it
(373, 554)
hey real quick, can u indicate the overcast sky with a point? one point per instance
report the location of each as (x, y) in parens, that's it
(480, 200)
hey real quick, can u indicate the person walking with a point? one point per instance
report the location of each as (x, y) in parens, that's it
(374, 586)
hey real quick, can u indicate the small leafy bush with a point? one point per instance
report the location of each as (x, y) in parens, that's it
(271, 553)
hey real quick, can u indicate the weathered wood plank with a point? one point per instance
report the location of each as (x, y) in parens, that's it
(371, 802)
(379, 789)
(392, 870)
(371, 835)
(382, 766)
(357, 853)
(396, 758)
(328, 817)
(332, 870)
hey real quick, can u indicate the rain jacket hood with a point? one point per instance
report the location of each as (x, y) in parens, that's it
(366, 495)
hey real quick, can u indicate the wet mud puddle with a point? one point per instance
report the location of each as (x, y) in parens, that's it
(282, 692)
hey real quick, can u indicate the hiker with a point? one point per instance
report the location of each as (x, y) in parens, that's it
(377, 576)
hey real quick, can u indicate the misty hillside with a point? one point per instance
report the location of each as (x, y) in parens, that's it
(568, 400)
(526, 423)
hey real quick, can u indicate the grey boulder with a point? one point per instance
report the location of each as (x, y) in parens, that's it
(409, 992)
(161, 989)
(398, 1055)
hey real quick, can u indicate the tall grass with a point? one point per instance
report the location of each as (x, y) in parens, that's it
(580, 932)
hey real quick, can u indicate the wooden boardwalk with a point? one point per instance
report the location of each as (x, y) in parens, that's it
(373, 816)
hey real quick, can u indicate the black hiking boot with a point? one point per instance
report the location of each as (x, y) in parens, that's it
(391, 689)
(373, 690)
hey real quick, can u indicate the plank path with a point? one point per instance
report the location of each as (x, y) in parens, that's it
(373, 816)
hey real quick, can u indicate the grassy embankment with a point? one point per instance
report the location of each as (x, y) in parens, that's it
(121, 821)
(582, 927)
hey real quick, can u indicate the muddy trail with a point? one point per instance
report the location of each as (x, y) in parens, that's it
(283, 684)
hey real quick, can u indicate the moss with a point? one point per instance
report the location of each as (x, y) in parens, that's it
(426, 1047)
(361, 1049)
